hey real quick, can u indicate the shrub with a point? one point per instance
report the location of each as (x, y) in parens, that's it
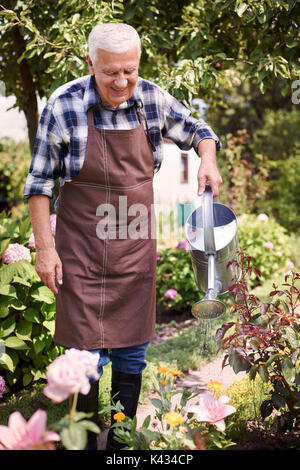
(266, 242)
(27, 309)
(176, 289)
(265, 341)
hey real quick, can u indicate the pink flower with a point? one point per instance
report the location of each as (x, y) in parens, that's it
(69, 374)
(157, 256)
(183, 244)
(291, 265)
(2, 386)
(269, 246)
(23, 435)
(212, 410)
(166, 274)
(171, 294)
(16, 252)
(31, 241)
(262, 217)
(53, 223)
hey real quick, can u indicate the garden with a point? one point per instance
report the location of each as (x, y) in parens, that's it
(252, 110)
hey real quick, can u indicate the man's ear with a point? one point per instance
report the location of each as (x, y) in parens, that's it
(90, 64)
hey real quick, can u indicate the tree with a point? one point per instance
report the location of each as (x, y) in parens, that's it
(195, 49)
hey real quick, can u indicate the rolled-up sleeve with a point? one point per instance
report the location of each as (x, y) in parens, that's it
(46, 158)
(183, 128)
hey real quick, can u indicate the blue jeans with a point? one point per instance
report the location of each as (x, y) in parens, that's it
(130, 360)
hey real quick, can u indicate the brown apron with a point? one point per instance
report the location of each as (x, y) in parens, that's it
(107, 299)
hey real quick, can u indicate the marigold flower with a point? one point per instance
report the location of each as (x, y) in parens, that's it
(175, 372)
(119, 416)
(164, 383)
(162, 370)
(214, 386)
(173, 418)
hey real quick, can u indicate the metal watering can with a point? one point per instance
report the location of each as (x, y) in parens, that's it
(211, 232)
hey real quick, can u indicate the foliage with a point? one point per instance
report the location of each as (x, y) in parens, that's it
(246, 396)
(267, 243)
(244, 173)
(265, 340)
(193, 50)
(174, 271)
(283, 196)
(27, 312)
(14, 158)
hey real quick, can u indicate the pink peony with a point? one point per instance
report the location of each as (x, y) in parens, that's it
(269, 246)
(2, 386)
(212, 410)
(15, 252)
(262, 217)
(171, 294)
(69, 374)
(183, 244)
(23, 435)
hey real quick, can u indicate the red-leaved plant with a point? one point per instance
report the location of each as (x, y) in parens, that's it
(264, 339)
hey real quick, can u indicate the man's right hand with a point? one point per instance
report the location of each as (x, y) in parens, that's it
(49, 267)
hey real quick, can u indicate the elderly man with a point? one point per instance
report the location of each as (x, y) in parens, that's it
(102, 135)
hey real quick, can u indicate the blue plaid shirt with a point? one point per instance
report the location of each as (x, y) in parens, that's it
(61, 139)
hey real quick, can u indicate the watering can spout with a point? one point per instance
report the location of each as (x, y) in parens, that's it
(211, 231)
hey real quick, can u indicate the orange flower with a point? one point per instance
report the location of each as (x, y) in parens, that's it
(164, 383)
(173, 418)
(119, 416)
(214, 386)
(175, 372)
(162, 370)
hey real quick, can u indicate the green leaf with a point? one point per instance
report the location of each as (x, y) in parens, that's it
(43, 294)
(9, 360)
(39, 344)
(272, 359)
(292, 337)
(27, 378)
(89, 426)
(252, 372)
(8, 326)
(8, 290)
(24, 329)
(263, 372)
(157, 403)
(32, 315)
(50, 325)
(241, 9)
(14, 342)
(279, 401)
(74, 437)
(288, 370)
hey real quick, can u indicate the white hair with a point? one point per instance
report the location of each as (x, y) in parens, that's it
(113, 37)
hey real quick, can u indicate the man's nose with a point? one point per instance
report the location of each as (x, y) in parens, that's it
(121, 82)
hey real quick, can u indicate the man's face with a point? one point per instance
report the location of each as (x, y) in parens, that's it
(116, 75)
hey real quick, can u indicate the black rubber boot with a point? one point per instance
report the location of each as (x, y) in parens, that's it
(126, 389)
(89, 403)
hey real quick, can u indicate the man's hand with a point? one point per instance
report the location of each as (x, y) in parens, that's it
(208, 172)
(49, 267)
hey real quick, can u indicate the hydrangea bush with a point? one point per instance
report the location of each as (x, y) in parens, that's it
(27, 308)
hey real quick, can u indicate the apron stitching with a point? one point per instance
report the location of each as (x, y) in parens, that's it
(105, 245)
(112, 188)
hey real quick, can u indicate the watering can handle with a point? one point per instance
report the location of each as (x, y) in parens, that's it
(208, 221)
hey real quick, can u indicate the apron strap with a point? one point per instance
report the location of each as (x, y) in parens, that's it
(137, 107)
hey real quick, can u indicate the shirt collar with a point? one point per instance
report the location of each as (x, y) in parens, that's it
(91, 97)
